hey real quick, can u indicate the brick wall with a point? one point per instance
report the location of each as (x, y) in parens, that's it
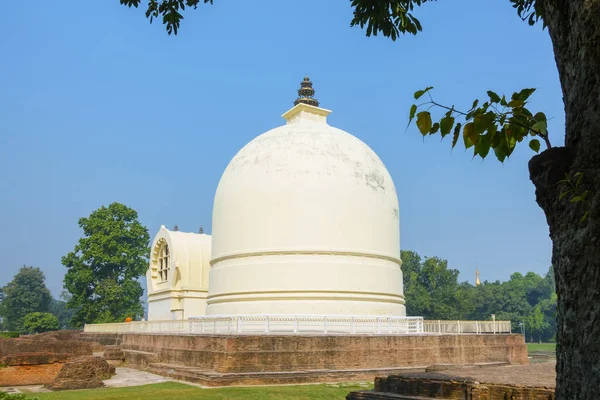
(245, 353)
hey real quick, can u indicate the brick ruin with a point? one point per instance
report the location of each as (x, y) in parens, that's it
(526, 382)
(40, 359)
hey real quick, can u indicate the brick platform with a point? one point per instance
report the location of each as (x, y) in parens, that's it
(220, 360)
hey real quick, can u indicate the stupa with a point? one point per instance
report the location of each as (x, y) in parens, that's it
(306, 222)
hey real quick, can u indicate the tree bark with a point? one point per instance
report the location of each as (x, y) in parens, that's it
(574, 27)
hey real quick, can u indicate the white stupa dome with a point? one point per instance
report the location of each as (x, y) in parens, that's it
(306, 221)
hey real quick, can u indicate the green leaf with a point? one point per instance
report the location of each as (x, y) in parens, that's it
(483, 146)
(420, 93)
(500, 146)
(540, 117)
(494, 98)
(424, 122)
(413, 110)
(446, 124)
(503, 101)
(474, 104)
(481, 123)
(540, 127)
(456, 134)
(534, 145)
(434, 128)
(525, 93)
(500, 152)
(468, 134)
(563, 194)
(576, 199)
(585, 215)
(516, 103)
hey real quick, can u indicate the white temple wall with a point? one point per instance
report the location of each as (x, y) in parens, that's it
(307, 284)
(159, 310)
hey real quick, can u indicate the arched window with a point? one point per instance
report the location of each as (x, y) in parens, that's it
(163, 263)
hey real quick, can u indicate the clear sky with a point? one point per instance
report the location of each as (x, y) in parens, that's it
(97, 105)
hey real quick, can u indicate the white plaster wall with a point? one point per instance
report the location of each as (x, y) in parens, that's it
(306, 284)
(194, 307)
(306, 220)
(159, 309)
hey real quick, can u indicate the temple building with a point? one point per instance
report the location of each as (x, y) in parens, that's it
(305, 222)
(177, 277)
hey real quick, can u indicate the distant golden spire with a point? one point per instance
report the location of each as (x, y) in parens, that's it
(477, 281)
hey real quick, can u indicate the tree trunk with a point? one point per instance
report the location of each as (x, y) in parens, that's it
(574, 27)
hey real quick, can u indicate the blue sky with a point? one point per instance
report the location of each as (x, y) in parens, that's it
(97, 105)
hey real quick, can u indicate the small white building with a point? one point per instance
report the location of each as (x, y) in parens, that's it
(177, 277)
(305, 222)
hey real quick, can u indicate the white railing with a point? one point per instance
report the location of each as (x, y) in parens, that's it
(458, 327)
(302, 324)
(307, 324)
(269, 324)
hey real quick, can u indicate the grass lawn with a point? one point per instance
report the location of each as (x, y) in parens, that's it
(179, 391)
(541, 347)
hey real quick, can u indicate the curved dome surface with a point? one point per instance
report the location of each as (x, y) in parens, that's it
(306, 221)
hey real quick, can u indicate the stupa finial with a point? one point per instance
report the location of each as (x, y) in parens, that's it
(201, 230)
(306, 93)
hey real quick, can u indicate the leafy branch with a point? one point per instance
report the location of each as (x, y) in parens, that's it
(497, 124)
(169, 9)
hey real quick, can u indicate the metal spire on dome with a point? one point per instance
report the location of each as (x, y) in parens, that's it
(201, 230)
(306, 93)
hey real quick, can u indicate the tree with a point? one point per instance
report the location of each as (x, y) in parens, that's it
(25, 294)
(103, 269)
(536, 323)
(574, 221)
(59, 309)
(38, 322)
(432, 288)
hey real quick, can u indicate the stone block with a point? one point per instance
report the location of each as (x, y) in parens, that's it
(82, 373)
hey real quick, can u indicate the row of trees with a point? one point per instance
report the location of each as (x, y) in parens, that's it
(433, 291)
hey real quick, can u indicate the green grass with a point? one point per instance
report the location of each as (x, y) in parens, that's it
(179, 391)
(541, 347)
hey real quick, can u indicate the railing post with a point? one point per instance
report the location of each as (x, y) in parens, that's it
(268, 325)
(325, 323)
(239, 325)
(439, 327)
(353, 326)
(296, 325)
